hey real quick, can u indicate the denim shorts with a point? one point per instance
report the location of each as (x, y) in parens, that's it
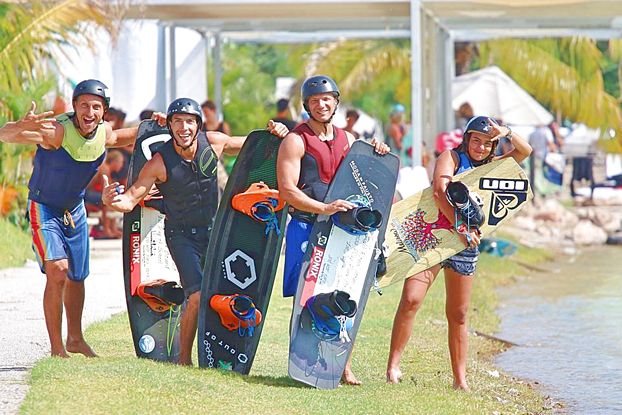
(463, 262)
(188, 246)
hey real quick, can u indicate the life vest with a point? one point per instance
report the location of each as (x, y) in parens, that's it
(60, 177)
(191, 188)
(319, 163)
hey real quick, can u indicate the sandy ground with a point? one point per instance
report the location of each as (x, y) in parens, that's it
(23, 337)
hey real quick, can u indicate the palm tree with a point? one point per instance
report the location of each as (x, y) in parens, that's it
(28, 31)
(374, 74)
(564, 74)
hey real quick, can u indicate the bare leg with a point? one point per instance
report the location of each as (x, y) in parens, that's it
(348, 377)
(188, 330)
(413, 293)
(458, 293)
(56, 274)
(74, 305)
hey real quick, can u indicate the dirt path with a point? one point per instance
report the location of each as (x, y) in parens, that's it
(23, 337)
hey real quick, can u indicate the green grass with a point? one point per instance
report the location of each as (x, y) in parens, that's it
(15, 245)
(119, 383)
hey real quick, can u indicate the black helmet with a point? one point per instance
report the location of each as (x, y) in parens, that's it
(92, 87)
(318, 84)
(478, 124)
(185, 106)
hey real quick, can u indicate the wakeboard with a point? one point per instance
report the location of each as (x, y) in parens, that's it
(339, 268)
(242, 258)
(420, 236)
(147, 264)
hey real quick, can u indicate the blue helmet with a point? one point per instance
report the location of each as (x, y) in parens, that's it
(92, 87)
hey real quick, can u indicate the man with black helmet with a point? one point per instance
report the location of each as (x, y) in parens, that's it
(184, 170)
(69, 151)
(308, 159)
(481, 137)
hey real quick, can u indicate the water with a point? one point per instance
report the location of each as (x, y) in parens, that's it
(569, 324)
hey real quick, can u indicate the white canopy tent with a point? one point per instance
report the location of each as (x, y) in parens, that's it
(436, 25)
(490, 91)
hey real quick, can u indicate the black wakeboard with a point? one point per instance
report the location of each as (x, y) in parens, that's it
(146, 258)
(241, 263)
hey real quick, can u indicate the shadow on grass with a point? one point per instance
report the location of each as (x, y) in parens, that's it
(281, 381)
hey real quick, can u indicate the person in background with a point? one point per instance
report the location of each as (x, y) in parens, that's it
(283, 115)
(352, 116)
(115, 117)
(397, 129)
(211, 121)
(145, 114)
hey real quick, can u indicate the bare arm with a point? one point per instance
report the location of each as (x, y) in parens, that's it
(291, 153)
(31, 129)
(121, 137)
(222, 143)
(114, 196)
(125, 136)
(521, 150)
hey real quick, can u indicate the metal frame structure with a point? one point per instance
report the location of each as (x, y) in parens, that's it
(437, 25)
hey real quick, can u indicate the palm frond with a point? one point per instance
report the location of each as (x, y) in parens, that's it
(28, 32)
(567, 79)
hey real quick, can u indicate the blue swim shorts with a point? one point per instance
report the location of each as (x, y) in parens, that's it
(60, 234)
(463, 262)
(296, 241)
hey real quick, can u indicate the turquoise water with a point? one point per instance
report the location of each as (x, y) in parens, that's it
(569, 324)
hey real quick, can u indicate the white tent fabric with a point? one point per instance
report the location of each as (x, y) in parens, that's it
(490, 91)
(129, 67)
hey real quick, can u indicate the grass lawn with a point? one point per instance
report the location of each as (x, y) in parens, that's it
(119, 383)
(15, 245)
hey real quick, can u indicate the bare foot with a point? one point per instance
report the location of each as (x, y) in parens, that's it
(59, 353)
(348, 378)
(394, 375)
(184, 362)
(461, 387)
(80, 346)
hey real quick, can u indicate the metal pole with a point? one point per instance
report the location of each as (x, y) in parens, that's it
(160, 88)
(206, 45)
(172, 63)
(218, 74)
(416, 97)
(450, 74)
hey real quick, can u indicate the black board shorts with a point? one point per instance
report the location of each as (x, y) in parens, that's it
(188, 246)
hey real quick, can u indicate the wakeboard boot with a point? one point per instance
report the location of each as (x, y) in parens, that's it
(467, 205)
(236, 312)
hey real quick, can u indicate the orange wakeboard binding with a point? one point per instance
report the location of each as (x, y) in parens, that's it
(160, 295)
(260, 203)
(236, 312)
